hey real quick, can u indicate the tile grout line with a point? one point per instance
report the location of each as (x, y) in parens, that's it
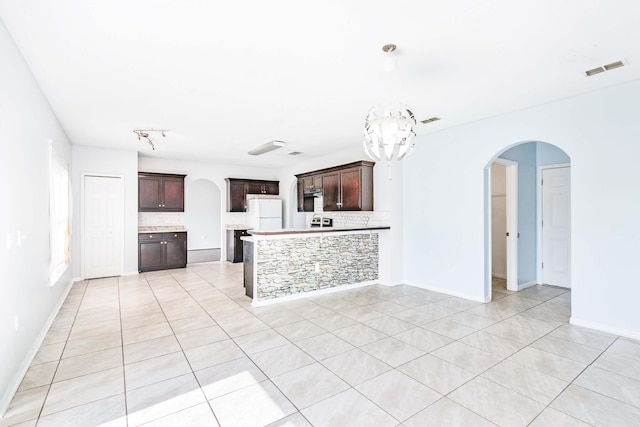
(124, 375)
(63, 349)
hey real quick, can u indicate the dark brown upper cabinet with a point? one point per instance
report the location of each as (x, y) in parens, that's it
(343, 188)
(238, 188)
(158, 192)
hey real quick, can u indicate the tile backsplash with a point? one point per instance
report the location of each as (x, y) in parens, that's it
(355, 219)
(146, 219)
(340, 219)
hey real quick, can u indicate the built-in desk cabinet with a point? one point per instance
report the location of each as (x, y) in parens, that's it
(343, 188)
(162, 251)
(159, 192)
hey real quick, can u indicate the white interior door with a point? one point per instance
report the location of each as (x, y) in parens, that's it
(498, 221)
(103, 219)
(556, 227)
(509, 228)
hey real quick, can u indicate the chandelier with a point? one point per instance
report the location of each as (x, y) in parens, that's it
(388, 128)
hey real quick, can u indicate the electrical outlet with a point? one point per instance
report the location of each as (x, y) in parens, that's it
(317, 267)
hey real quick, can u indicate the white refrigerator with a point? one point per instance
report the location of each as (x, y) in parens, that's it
(264, 214)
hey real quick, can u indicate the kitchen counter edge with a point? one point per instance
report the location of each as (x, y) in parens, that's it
(315, 230)
(161, 229)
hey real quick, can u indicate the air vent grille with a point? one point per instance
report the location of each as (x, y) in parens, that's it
(594, 71)
(604, 68)
(430, 120)
(614, 65)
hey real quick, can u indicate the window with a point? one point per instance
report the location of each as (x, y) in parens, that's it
(59, 213)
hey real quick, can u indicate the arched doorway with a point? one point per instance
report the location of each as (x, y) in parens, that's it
(539, 250)
(203, 221)
(295, 219)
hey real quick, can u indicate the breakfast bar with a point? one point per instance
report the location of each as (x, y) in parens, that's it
(284, 264)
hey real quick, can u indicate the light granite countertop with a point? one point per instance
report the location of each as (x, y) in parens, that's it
(236, 227)
(161, 228)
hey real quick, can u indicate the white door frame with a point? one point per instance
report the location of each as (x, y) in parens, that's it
(82, 219)
(539, 215)
(511, 175)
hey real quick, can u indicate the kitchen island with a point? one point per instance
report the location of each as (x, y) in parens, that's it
(285, 264)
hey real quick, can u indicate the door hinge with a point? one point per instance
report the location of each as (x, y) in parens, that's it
(543, 265)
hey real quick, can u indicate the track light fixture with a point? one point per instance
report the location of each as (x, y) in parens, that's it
(144, 133)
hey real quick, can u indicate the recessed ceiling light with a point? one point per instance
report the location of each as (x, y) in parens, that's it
(430, 120)
(265, 148)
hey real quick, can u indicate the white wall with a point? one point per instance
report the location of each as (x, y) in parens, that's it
(600, 132)
(91, 160)
(27, 302)
(202, 209)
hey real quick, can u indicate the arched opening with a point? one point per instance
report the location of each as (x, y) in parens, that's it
(527, 220)
(295, 219)
(203, 221)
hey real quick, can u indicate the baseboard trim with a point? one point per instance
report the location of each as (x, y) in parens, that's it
(527, 285)
(605, 328)
(499, 276)
(447, 292)
(395, 283)
(315, 293)
(130, 273)
(15, 382)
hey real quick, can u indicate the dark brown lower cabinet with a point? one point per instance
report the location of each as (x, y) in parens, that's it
(162, 251)
(234, 245)
(248, 268)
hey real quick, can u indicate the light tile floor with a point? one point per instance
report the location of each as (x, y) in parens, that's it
(186, 348)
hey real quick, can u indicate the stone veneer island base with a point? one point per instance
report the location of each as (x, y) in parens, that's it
(286, 264)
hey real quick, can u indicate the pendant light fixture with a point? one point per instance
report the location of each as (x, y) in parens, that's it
(388, 128)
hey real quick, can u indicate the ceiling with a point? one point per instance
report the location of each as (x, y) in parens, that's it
(227, 76)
